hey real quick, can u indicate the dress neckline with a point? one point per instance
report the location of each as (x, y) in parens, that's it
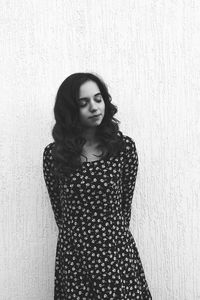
(103, 159)
(95, 161)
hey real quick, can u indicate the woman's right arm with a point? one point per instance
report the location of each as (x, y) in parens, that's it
(52, 184)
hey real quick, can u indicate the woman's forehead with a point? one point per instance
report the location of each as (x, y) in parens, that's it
(88, 89)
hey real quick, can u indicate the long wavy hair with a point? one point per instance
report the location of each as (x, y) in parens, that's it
(68, 131)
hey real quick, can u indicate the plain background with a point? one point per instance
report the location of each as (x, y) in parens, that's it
(148, 52)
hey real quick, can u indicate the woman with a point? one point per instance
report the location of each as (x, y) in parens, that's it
(90, 172)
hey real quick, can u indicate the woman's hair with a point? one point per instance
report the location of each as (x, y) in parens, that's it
(67, 131)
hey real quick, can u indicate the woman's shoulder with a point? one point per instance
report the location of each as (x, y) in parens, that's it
(48, 149)
(128, 140)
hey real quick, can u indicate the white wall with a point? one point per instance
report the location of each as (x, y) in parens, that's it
(149, 54)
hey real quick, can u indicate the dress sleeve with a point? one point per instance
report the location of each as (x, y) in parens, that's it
(129, 175)
(52, 184)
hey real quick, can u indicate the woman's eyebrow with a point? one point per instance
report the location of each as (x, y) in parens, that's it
(85, 98)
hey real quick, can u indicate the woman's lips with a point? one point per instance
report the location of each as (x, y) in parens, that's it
(96, 116)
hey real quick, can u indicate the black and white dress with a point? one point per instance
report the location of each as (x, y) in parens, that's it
(96, 254)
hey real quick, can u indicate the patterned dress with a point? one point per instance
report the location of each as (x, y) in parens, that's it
(96, 254)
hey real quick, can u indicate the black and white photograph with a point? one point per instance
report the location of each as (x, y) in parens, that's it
(100, 150)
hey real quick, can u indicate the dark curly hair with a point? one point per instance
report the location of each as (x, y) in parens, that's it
(67, 131)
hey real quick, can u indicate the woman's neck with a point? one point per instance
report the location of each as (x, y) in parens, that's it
(90, 136)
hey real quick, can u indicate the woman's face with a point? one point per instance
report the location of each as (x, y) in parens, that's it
(91, 103)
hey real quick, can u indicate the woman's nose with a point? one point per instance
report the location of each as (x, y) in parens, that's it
(93, 105)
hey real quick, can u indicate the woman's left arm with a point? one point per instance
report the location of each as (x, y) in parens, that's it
(129, 175)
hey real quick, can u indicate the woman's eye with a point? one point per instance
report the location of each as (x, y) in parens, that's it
(99, 99)
(82, 104)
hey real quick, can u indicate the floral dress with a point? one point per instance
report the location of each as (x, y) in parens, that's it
(96, 254)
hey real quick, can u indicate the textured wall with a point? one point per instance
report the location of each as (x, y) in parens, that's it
(149, 54)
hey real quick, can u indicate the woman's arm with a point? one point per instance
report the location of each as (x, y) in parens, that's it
(52, 184)
(129, 175)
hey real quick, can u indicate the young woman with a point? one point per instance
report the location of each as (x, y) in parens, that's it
(90, 172)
